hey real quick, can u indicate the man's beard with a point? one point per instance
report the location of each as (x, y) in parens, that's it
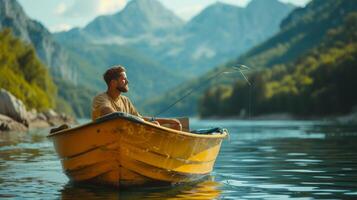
(124, 88)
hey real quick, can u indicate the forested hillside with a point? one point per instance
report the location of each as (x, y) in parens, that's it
(320, 82)
(23, 74)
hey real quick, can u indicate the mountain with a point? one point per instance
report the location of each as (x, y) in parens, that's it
(219, 33)
(139, 17)
(301, 31)
(222, 31)
(139, 20)
(12, 16)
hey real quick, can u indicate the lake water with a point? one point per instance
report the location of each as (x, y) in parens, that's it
(260, 160)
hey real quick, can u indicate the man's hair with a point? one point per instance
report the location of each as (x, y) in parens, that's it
(113, 73)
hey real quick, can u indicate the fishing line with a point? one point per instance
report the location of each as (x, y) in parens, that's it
(240, 68)
(250, 102)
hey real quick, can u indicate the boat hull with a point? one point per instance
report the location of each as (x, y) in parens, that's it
(133, 152)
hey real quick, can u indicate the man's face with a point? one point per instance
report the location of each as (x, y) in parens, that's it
(122, 83)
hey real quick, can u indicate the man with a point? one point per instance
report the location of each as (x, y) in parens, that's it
(112, 100)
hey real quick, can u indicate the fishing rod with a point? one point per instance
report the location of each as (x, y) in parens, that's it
(240, 68)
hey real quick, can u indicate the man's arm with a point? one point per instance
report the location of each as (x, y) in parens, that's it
(167, 122)
(133, 111)
(104, 110)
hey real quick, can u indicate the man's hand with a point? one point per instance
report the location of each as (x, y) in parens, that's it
(151, 120)
(166, 122)
(155, 122)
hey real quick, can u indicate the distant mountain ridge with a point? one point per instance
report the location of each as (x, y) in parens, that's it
(139, 17)
(218, 33)
(234, 31)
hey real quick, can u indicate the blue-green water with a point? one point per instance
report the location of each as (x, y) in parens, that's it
(261, 159)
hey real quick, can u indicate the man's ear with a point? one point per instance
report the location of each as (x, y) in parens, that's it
(111, 82)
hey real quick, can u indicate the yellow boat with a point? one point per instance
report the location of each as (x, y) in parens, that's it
(120, 149)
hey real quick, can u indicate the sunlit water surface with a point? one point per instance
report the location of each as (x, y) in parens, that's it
(260, 160)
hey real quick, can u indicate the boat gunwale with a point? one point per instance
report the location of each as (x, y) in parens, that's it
(134, 119)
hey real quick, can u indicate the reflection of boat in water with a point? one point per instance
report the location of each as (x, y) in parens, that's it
(206, 189)
(120, 149)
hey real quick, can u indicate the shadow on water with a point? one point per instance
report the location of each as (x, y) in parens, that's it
(206, 189)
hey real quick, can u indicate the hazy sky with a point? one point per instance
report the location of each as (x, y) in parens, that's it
(64, 14)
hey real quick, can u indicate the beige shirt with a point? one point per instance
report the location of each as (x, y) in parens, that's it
(121, 104)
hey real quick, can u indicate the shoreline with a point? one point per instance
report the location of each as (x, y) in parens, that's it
(15, 117)
(8, 124)
(346, 118)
